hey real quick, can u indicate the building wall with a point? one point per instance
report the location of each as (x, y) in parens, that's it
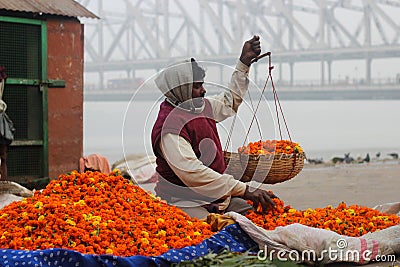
(65, 105)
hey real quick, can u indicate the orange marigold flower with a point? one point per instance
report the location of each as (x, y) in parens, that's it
(98, 213)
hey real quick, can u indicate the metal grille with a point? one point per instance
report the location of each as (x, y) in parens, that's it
(20, 53)
(24, 107)
(24, 162)
(20, 50)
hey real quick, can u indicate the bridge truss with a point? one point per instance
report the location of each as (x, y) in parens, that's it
(137, 35)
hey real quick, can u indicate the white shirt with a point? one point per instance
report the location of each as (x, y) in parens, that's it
(181, 158)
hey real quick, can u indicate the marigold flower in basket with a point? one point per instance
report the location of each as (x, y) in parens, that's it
(269, 147)
(271, 161)
(96, 213)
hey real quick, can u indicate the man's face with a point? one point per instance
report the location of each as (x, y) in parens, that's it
(198, 90)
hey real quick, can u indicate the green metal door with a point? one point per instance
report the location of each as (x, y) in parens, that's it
(23, 52)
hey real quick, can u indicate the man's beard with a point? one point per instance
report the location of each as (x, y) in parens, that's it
(198, 101)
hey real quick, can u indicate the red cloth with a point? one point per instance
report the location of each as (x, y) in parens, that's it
(94, 162)
(194, 128)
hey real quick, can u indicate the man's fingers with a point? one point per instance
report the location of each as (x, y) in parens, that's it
(265, 205)
(269, 200)
(256, 46)
(254, 39)
(272, 195)
(255, 204)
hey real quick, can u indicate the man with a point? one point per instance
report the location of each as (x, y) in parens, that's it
(190, 162)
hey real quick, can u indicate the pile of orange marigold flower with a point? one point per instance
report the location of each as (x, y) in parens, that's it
(271, 147)
(98, 213)
(345, 220)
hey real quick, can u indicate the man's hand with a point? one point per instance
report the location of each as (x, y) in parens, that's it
(259, 196)
(251, 49)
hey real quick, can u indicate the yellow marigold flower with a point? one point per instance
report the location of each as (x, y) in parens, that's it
(91, 179)
(96, 218)
(189, 223)
(161, 233)
(160, 221)
(28, 228)
(63, 205)
(41, 218)
(27, 238)
(145, 241)
(3, 215)
(72, 244)
(24, 214)
(96, 223)
(80, 202)
(292, 210)
(70, 222)
(350, 211)
(38, 205)
(4, 235)
(109, 251)
(196, 233)
(145, 234)
(94, 232)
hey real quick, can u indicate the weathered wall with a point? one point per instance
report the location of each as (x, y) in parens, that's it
(65, 105)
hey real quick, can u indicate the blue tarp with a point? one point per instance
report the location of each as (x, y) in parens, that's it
(231, 237)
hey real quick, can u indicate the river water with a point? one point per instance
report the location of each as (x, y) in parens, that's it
(323, 128)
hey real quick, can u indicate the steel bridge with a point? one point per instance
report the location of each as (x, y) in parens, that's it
(137, 35)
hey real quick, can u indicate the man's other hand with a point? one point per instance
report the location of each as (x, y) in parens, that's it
(260, 197)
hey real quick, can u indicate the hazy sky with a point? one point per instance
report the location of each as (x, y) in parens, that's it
(310, 71)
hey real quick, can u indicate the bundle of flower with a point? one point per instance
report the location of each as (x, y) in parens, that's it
(346, 220)
(271, 147)
(270, 161)
(97, 213)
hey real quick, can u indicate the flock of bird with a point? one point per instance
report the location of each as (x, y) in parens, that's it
(348, 159)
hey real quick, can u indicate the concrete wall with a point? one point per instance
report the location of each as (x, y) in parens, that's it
(65, 105)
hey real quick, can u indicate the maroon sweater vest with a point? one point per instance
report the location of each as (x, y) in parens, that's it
(200, 130)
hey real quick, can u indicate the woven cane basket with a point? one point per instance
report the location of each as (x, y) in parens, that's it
(268, 169)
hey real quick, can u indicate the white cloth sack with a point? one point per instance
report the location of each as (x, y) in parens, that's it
(300, 243)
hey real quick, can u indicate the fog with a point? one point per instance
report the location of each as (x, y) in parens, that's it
(221, 28)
